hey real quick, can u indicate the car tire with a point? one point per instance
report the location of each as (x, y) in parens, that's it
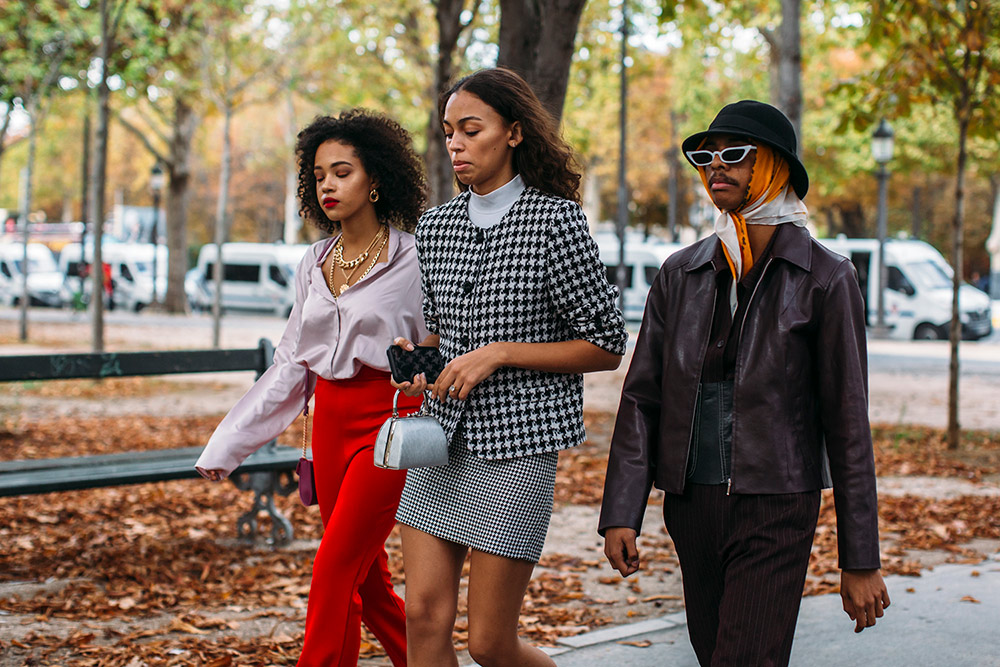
(927, 332)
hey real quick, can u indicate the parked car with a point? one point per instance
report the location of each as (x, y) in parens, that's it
(44, 279)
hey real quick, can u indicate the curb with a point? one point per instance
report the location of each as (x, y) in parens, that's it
(617, 632)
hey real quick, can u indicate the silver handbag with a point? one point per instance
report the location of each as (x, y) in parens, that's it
(410, 442)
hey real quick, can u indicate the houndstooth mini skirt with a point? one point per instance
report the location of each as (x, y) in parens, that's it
(498, 506)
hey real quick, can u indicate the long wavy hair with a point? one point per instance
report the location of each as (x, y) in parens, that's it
(542, 158)
(386, 153)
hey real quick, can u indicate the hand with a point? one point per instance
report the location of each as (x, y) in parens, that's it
(214, 475)
(419, 384)
(463, 373)
(620, 550)
(864, 596)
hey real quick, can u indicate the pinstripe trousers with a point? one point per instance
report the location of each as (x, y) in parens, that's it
(743, 561)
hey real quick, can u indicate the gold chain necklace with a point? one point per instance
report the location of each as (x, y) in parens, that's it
(374, 259)
(382, 233)
(338, 251)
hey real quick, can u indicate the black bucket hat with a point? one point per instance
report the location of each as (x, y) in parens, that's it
(761, 122)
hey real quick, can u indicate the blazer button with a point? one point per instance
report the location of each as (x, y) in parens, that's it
(480, 236)
(467, 286)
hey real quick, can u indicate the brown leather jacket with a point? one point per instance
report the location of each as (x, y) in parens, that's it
(800, 392)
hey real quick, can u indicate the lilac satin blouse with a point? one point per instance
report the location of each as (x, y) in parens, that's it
(325, 336)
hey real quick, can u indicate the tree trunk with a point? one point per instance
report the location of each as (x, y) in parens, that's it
(3, 130)
(178, 194)
(440, 177)
(993, 242)
(85, 175)
(221, 228)
(98, 180)
(536, 41)
(789, 90)
(673, 179)
(958, 231)
(292, 221)
(25, 225)
(916, 212)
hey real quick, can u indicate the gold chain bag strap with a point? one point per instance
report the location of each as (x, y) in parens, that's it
(304, 469)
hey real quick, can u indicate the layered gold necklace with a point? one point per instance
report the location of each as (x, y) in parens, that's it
(381, 238)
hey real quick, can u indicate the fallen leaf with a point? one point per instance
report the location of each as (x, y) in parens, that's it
(640, 643)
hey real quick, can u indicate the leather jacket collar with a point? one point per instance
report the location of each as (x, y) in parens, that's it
(792, 245)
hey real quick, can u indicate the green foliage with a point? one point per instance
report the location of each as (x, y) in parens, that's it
(936, 53)
(39, 43)
(688, 58)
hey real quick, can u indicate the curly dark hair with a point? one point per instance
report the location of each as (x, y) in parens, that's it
(386, 153)
(543, 159)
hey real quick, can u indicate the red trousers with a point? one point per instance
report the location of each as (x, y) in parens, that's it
(350, 581)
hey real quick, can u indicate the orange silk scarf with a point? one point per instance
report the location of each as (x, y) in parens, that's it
(768, 180)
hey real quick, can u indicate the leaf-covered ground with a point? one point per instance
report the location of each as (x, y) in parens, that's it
(149, 574)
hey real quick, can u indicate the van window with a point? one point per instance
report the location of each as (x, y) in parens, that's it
(125, 273)
(277, 276)
(862, 262)
(929, 275)
(4, 269)
(237, 273)
(613, 275)
(651, 273)
(898, 282)
(73, 269)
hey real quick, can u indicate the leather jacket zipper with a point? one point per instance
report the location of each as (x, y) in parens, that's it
(704, 349)
(739, 342)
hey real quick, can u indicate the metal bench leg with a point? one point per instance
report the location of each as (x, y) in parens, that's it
(264, 486)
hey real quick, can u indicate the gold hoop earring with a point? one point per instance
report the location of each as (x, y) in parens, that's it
(373, 196)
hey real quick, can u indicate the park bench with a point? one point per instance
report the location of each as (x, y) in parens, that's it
(266, 472)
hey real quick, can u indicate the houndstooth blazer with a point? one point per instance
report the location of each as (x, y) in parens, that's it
(534, 277)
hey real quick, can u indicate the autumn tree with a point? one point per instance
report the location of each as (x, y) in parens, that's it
(537, 41)
(238, 70)
(167, 106)
(946, 55)
(454, 17)
(40, 42)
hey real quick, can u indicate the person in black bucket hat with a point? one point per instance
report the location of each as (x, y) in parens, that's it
(747, 394)
(758, 121)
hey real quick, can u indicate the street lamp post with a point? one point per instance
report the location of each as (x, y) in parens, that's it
(882, 146)
(621, 219)
(156, 182)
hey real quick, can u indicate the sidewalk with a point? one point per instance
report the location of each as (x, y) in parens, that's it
(948, 616)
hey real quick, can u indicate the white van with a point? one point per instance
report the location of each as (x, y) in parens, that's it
(131, 271)
(918, 292)
(44, 279)
(256, 276)
(643, 259)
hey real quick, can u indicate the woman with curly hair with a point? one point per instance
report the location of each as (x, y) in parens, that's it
(361, 181)
(518, 302)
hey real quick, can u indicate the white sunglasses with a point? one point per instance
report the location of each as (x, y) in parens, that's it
(730, 155)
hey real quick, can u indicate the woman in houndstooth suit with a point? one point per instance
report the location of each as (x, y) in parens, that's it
(518, 302)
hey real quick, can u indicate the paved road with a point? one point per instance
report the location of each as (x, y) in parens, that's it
(948, 616)
(931, 358)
